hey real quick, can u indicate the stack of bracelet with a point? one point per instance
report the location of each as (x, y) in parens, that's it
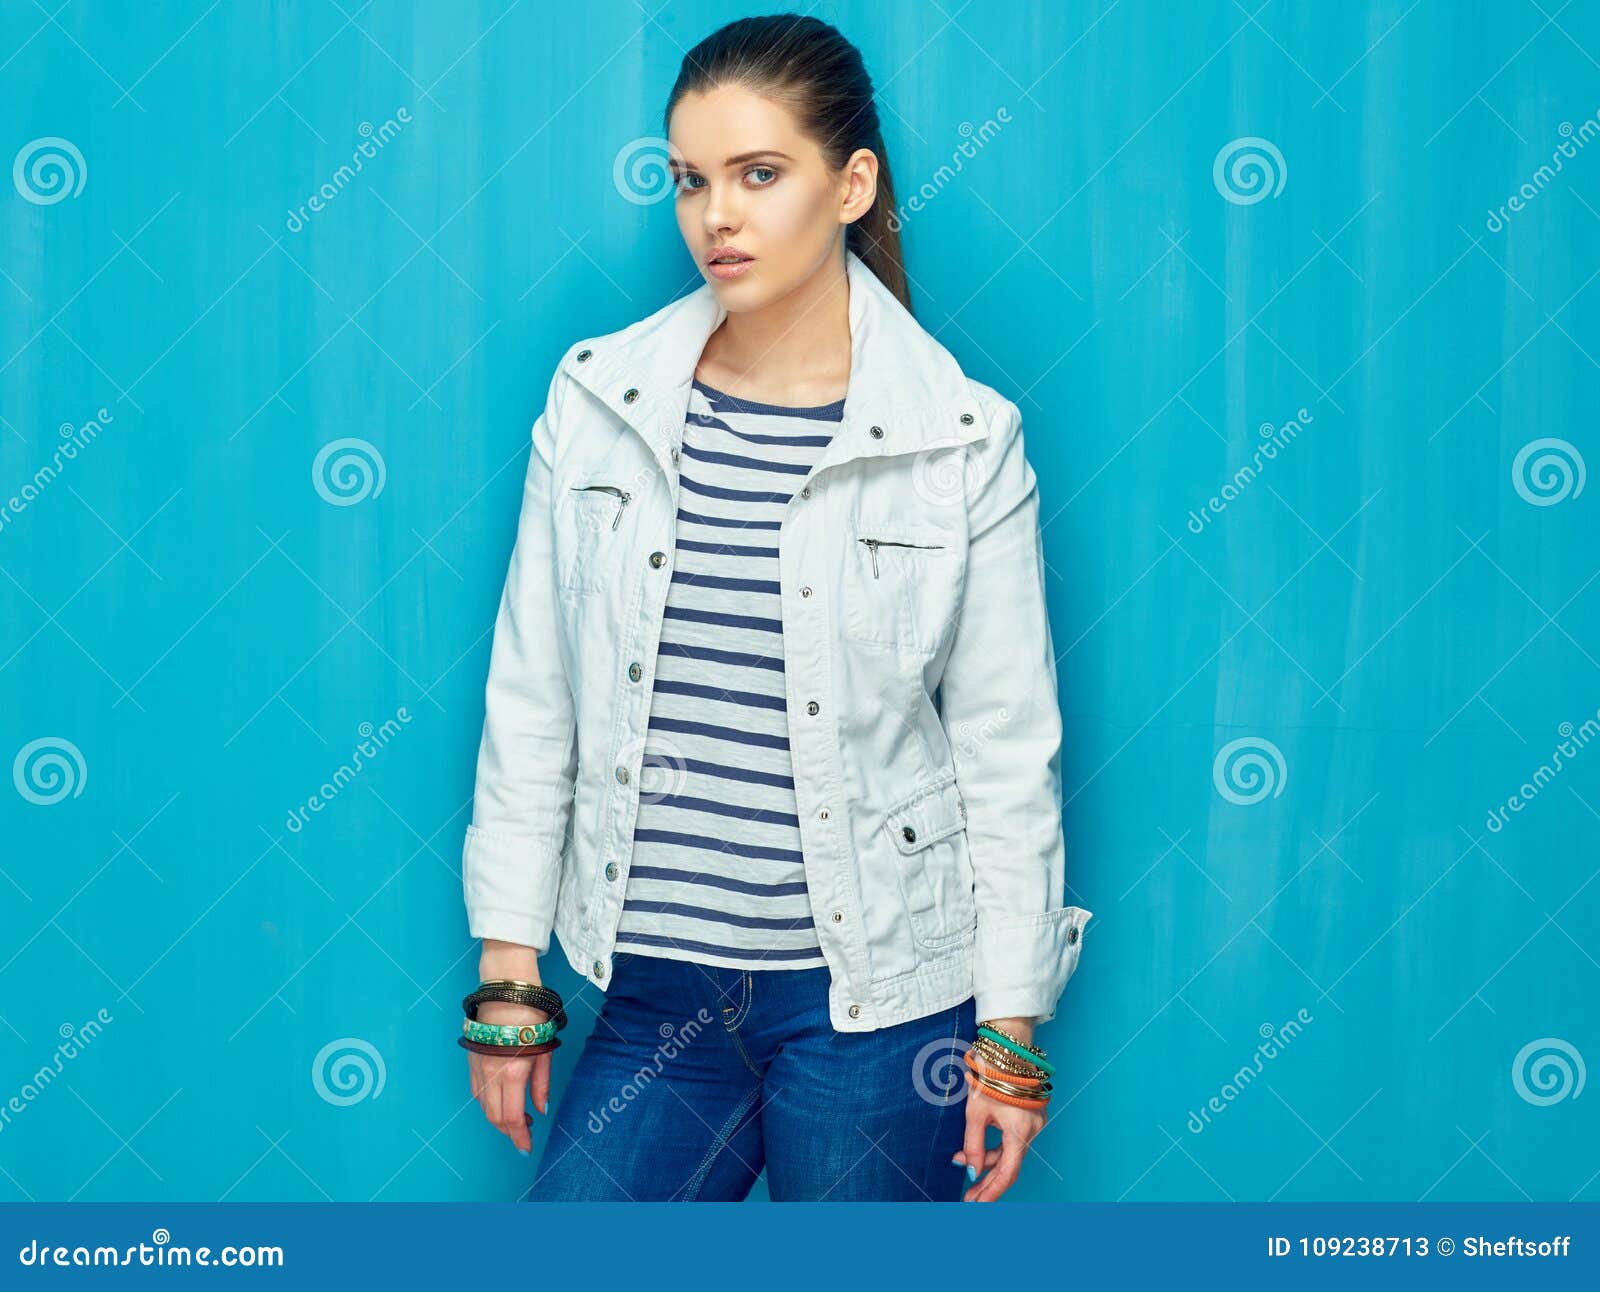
(1008, 1068)
(507, 1039)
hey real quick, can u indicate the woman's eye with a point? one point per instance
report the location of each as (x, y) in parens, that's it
(762, 170)
(685, 181)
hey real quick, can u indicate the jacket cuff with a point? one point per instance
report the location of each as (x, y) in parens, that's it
(510, 884)
(1021, 963)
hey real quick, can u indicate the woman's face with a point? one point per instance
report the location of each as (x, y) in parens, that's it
(747, 179)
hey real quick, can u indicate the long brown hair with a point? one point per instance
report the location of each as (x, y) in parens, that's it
(809, 67)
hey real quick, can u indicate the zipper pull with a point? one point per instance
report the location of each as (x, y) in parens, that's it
(622, 501)
(872, 546)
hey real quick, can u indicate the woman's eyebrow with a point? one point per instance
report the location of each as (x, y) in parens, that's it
(740, 158)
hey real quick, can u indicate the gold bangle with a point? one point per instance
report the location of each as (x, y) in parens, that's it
(1001, 1057)
(1026, 1045)
(1041, 1093)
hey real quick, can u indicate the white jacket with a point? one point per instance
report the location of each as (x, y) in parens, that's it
(911, 562)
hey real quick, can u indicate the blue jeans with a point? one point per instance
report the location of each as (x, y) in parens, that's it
(696, 1078)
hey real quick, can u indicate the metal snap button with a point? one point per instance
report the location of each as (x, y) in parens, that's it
(1072, 935)
(630, 394)
(855, 1011)
(674, 455)
(611, 870)
(812, 707)
(658, 559)
(806, 492)
(583, 355)
(823, 814)
(599, 969)
(909, 834)
(838, 916)
(805, 592)
(622, 775)
(966, 419)
(876, 432)
(635, 672)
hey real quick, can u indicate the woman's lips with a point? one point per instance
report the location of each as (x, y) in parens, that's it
(727, 271)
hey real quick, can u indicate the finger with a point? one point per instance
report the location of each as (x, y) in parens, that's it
(541, 1083)
(1004, 1174)
(490, 1099)
(514, 1115)
(972, 1146)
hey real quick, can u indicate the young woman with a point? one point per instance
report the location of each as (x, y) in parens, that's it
(772, 738)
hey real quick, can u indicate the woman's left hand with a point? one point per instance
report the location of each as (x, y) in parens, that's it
(997, 1167)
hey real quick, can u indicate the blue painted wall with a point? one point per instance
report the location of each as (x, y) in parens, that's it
(1310, 437)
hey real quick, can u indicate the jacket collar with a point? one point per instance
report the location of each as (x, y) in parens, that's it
(903, 382)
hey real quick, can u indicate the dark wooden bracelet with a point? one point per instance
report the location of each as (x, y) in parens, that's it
(508, 1051)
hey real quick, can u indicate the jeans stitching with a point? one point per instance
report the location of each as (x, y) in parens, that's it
(742, 1009)
(723, 1138)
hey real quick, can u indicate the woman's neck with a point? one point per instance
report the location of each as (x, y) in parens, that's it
(794, 351)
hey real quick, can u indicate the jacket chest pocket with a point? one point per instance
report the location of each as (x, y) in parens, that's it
(929, 834)
(588, 533)
(901, 585)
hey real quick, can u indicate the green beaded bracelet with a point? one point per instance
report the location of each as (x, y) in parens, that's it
(1037, 1060)
(508, 1033)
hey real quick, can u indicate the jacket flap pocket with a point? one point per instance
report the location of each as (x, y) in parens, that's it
(934, 812)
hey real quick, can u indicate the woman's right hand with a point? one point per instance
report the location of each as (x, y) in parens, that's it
(501, 1085)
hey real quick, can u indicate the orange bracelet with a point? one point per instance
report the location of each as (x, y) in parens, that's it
(978, 1065)
(1037, 1105)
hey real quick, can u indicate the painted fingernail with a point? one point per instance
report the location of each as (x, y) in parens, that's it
(524, 1152)
(955, 1159)
(972, 1172)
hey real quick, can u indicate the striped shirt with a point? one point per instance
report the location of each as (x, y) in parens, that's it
(717, 873)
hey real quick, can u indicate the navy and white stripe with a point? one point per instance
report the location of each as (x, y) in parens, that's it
(717, 874)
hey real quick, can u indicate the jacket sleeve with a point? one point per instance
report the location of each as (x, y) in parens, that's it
(527, 759)
(1000, 710)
